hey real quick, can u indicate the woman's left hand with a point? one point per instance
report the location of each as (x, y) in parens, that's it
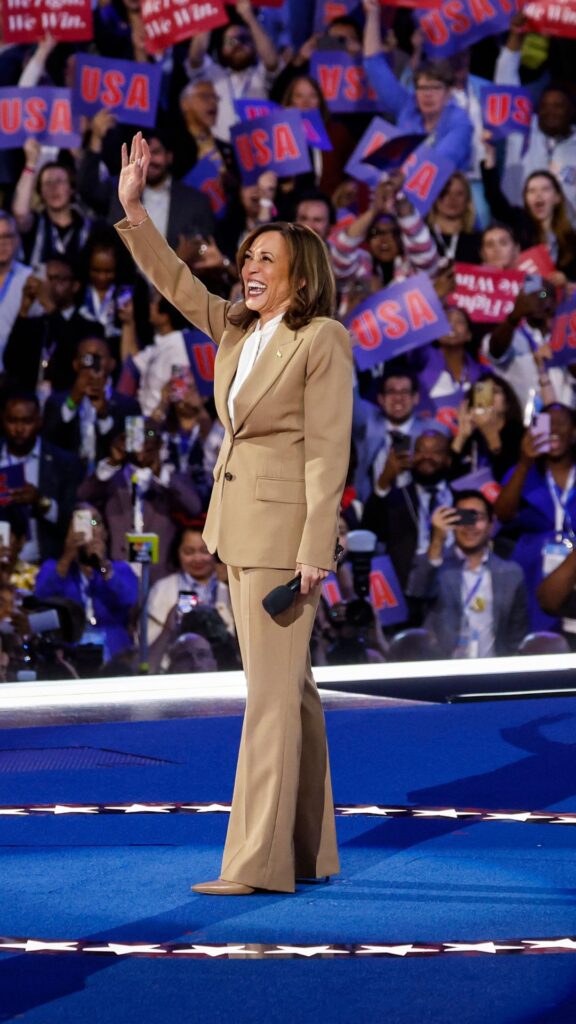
(311, 577)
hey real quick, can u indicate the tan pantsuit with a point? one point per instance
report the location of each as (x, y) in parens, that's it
(282, 820)
(278, 483)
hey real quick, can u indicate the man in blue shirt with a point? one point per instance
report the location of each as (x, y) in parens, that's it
(429, 109)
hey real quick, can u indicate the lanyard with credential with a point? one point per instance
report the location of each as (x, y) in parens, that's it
(560, 500)
(473, 591)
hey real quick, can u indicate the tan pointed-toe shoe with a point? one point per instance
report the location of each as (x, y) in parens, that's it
(220, 887)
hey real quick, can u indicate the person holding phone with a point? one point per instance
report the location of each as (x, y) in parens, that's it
(106, 589)
(519, 347)
(283, 390)
(88, 417)
(490, 428)
(197, 575)
(477, 600)
(537, 503)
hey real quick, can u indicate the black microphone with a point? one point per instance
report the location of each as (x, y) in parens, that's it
(279, 599)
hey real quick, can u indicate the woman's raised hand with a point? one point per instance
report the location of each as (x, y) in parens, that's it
(132, 180)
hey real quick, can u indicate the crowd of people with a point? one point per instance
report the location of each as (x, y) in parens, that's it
(108, 424)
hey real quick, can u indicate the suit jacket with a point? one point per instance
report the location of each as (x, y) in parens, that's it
(59, 474)
(444, 584)
(32, 336)
(282, 467)
(160, 505)
(69, 436)
(189, 212)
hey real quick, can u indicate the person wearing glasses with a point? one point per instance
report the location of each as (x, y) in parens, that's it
(246, 65)
(478, 601)
(13, 276)
(430, 109)
(59, 229)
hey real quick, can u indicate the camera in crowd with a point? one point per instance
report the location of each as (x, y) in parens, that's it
(46, 647)
(354, 619)
(91, 361)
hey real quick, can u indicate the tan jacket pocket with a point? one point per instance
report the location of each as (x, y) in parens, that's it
(291, 491)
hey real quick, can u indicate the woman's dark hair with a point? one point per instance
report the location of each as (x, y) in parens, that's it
(289, 91)
(513, 407)
(207, 622)
(561, 225)
(311, 278)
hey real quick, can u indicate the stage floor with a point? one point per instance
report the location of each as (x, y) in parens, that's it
(456, 899)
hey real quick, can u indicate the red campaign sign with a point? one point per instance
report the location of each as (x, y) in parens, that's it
(487, 295)
(167, 22)
(563, 335)
(551, 17)
(27, 21)
(536, 260)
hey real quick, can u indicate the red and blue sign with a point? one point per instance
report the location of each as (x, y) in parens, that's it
(343, 82)
(206, 177)
(201, 354)
(505, 109)
(273, 143)
(563, 335)
(456, 24)
(401, 317)
(316, 134)
(126, 88)
(383, 146)
(426, 174)
(378, 132)
(42, 113)
(386, 595)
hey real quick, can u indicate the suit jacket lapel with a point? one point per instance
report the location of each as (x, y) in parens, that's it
(270, 364)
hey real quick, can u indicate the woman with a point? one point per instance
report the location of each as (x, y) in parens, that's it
(538, 499)
(196, 575)
(273, 514)
(489, 427)
(59, 229)
(542, 220)
(452, 220)
(447, 370)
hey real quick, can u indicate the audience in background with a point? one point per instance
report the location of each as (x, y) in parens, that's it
(106, 392)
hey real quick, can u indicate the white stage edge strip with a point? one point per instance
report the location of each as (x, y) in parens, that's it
(230, 685)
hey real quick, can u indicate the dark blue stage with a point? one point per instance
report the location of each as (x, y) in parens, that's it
(456, 900)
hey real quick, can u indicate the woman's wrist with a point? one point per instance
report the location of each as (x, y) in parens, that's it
(136, 214)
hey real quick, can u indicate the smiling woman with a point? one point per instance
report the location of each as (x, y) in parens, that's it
(283, 390)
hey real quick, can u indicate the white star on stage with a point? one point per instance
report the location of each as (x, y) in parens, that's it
(564, 819)
(205, 808)
(493, 816)
(66, 809)
(394, 950)
(374, 809)
(123, 949)
(34, 946)
(551, 943)
(141, 808)
(475, 947)
(217, 950)
(450, 812)
(306, 950)
(13, 810)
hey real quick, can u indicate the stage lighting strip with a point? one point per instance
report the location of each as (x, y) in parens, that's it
(341, 810)
(239, 950)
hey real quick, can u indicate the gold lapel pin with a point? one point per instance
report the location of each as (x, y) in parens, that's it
(279, 354)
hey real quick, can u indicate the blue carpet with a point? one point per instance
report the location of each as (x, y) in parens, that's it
(126, 879)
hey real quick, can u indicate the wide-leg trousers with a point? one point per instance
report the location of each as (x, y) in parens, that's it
(282, 818)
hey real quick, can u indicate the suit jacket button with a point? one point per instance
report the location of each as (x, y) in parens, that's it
(227, 476)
